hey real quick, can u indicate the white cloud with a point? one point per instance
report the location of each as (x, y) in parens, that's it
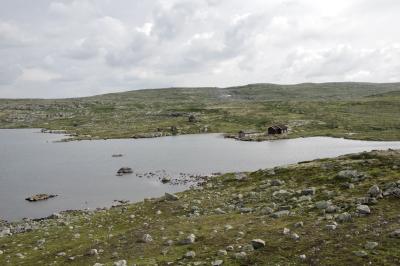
(38, 75)
(84, 47)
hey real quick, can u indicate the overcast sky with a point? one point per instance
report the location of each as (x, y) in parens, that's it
(85, 47)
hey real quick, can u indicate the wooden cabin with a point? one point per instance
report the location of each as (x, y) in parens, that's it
(277, 129)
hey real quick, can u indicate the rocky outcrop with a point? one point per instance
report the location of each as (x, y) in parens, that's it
(40, 197)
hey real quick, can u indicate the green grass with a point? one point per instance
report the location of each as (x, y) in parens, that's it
(351, 110)
(321, 246)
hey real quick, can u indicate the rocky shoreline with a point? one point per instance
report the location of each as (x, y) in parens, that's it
(325, 212)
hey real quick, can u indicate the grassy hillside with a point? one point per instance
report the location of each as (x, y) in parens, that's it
(352, 110)
(342, 211)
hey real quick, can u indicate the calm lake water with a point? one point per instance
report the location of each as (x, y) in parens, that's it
(83, 173)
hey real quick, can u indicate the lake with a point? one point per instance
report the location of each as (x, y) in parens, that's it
(83, 173)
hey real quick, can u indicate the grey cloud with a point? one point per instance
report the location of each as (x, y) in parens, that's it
(80, 47)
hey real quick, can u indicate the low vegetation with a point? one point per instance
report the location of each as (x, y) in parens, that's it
(351, 110)
(342, 211)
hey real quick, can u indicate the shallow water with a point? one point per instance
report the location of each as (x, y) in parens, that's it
(82, 173)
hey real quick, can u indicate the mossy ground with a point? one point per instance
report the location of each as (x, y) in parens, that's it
(351, 110)
(114, 231)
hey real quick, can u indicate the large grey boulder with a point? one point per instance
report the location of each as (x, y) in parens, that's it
(171, 197)
(344, 217)
(280, 214)
(363, 209)
(374, 191)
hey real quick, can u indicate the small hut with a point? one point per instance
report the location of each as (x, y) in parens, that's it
(277, 129)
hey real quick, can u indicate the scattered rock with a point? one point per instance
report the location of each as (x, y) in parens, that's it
(147, 238)
(361, 253)
(93, 252)
(280, 214)
(371, 245)
(217, 262)
(344, 217)
(257, 243)
(190, 255)
(395, 234)
(322, 205)
(240, 255)
(299, 224)
(171, 197)
(120, 263)
(277, 182)
(19, 255)
(124, 170)
(374, 191)
(222, 252)
(309, 191)
(190, 239)
(166, 179)
(363, 209)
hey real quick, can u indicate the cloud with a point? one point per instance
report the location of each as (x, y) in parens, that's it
(12, 35)
(83, 47)
(9, 73)
(38, 75)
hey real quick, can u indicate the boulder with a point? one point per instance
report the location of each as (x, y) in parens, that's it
(124, 170)
(371, 245)
(344, 217)
(322, 205)
(277, 182)
(190, 254)
(280, 214)
(374, 191)
(217, 263)
(120, 263)
(146, 238)
(363, 209)
(309, 191)
(257, 243)
(166, 179)
(190, 239)
(40, 197)
(395, 234)
(171, 197)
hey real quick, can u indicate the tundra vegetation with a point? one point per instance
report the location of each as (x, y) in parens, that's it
(351, 110)
(342, 211)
